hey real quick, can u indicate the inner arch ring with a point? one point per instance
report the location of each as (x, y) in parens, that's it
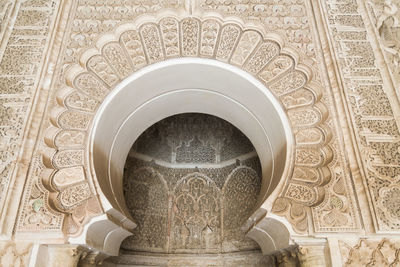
(187, 85)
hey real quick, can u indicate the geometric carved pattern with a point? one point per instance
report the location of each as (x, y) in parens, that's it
(293, 20)
(264, 56)
(196, 214)
(195, 203)
(240, 190)
(21, 63)
(61, 178)
(193, 138)
(374, 116)
(200, 215)
(146, 197)
(288, 18)
(38, 215)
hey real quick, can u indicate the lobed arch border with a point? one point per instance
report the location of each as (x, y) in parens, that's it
(285, 202)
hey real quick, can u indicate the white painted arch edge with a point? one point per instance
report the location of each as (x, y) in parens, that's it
(187, 85)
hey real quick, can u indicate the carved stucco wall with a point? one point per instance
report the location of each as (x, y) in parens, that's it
(90, 20)
(318, 177)
(370, 252)
(373, 105)
(25, 31)
(349, 46)
(385, 16)
(190, 183)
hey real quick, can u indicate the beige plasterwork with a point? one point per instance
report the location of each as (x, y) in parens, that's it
(23, 58)
(370, 252)
(346, 52)
(15, 253)
(337, 206)
(300, 22)
(372, 103)
(226, 41)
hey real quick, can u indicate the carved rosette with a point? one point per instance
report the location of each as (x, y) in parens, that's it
(134, 45)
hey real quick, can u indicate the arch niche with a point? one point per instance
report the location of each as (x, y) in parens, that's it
(153, 68)
(179, 86)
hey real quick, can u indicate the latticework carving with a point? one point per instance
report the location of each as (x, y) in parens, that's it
(95, 60)
(373, 111)
(21, 63)
(198, 204)
(269, 60)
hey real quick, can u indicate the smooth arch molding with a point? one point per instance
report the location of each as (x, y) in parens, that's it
(179, 86)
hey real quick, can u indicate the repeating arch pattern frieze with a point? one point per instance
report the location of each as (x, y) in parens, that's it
(135, 45)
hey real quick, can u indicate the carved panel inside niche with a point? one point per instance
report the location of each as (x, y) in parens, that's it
(190, 182)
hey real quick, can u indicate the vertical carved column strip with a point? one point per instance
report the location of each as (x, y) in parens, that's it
(334, 81)
(22, 78)
(373, 108)
(7, 22)
(40, 103)
(388, 83)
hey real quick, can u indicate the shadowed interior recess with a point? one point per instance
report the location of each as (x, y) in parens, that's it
(190, 182)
